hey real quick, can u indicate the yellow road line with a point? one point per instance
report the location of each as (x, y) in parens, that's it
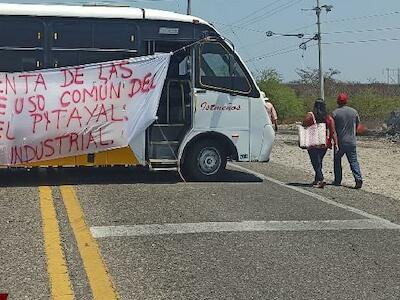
(60, 284)
(99, 279)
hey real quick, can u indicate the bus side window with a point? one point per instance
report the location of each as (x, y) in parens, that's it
(114, 35)
(18, 61)
(72, 34)
(220, 70)
(21, 44)
(184, 67)
(21, 33)
(77, 42)
(239, 79)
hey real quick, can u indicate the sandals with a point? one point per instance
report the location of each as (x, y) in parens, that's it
(320, 184)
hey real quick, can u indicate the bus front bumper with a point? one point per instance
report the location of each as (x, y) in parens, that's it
(267, 143)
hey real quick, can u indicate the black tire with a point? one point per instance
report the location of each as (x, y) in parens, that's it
(204, 161)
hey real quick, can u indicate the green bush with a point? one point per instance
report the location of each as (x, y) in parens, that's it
(372, 107)
(284, 98)
(291, 106)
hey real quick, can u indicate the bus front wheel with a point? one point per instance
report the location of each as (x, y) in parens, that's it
(204, 161)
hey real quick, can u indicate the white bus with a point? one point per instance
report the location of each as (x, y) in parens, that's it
(210, 110)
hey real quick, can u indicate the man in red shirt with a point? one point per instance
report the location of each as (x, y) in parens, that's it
(346, 123)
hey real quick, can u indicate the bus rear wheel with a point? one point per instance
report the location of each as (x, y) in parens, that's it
(204, 161)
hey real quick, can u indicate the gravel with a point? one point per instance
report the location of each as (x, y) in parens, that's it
(379, 161)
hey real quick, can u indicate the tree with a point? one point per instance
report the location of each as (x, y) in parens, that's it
(283, 97)
(309, 78)
(269, 75)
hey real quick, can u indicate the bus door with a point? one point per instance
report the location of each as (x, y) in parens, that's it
(174, 112)
(221, 95)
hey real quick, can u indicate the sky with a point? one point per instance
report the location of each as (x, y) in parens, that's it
(361, 38)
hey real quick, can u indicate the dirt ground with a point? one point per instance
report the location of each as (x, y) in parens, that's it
(379, 161)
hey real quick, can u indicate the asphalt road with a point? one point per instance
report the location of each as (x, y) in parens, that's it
(259, 233)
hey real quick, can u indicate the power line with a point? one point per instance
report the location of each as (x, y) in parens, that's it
(325, 33)
(275, 36)
(302, 27)
(290, 48)
(361, 41)
(364, 30)
(237, 27)
(258, 10)
(271, 13)
(254, 65)
(281, 53)
(271, 55)
(257, 43)
(363, 17)
(263, 32)
(243, 26)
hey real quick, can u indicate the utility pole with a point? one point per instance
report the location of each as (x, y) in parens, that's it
(398, 76)
(318, 37)
(189, 7)
(321, 74)
(388, 75)
(391, 75)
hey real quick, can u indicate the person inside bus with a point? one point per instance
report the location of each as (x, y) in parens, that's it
(320, 115)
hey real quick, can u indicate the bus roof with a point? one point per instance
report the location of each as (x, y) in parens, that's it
(94, 11)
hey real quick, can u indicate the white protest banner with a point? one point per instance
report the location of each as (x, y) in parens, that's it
(55, 113)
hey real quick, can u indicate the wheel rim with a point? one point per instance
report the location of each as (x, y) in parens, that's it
(209, 161)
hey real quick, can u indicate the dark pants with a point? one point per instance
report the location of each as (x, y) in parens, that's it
(351, 154)
(316, 156)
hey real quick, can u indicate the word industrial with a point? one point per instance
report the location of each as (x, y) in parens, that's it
(77, 110)
(60, 145)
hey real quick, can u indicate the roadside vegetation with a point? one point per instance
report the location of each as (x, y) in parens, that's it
(374, 101)
(284, 97)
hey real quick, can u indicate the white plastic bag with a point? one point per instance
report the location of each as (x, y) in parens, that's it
(312, 136)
